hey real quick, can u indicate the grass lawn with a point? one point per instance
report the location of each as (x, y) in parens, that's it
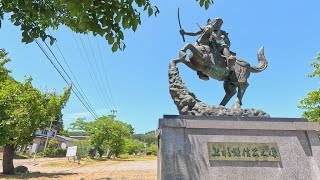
(83, 162)
(20, 156)
(137, 158)
(93, 162)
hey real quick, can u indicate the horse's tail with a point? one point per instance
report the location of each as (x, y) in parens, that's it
(263, 63)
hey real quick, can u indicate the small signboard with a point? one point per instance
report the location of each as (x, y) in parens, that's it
(72, 151)
(243, 151)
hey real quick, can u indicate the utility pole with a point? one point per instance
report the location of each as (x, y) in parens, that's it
(45, 145)
(113, 113)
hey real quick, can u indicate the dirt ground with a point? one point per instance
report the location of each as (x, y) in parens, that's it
(61, 168)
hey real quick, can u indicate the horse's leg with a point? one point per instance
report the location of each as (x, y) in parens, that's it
(230, 90)
(188, 63)
(184, 61)
(241, 90)
(194, 50)
(183, 50)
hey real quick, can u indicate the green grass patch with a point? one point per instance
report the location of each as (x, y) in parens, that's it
(136, 157)
(18, 156)
(94, 162)
(72, 163)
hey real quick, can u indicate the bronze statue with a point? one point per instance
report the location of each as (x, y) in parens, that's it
(211, 58)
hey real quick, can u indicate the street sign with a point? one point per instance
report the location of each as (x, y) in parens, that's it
(72, 151)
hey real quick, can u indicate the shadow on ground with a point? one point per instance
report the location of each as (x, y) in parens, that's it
(36, 175)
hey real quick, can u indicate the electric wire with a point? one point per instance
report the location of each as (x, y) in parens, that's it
(74, 89)
(74, 85)
(91, 69)
(61, 74)
(103, 84)
(77, 82)
(85, 61)
(65, 79)
(106, 76)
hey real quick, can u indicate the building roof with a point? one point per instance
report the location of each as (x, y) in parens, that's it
(64, 138)
(80, 137)
(41, 136)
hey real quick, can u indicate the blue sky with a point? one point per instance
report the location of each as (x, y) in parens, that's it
(138, 76)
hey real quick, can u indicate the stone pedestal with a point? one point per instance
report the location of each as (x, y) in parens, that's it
(183, 148)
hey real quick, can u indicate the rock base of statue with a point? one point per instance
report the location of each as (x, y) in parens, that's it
(188, 104)
(250, 148)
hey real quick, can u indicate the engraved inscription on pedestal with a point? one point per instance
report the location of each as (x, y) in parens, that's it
(242, 151)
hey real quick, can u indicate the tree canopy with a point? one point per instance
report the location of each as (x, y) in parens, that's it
(107, 18)
(23, 110)
(106, 133)
(148, 137)
(312, 102)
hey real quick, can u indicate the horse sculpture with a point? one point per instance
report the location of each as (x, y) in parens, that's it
(206, 58)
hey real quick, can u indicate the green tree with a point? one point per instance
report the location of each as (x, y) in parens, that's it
(64, 133)
(134, 146)
(53, 145)
(80, 125)
(118, 133)
(55, 105)
(57, 123)
(312, 102)
(148, 137)
(83, 148)
(105, 18)
(152, 150)
(23, 110)
(106, 133)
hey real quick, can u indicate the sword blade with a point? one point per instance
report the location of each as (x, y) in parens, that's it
(180, 25)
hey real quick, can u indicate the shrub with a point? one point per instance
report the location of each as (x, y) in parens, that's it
(57, 152)
(152, 149)
(124, 156)
(62, 152)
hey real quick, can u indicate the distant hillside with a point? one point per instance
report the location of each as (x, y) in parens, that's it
(148, 137)
(77, 133)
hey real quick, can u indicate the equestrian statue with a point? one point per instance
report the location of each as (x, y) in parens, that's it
(210, 56)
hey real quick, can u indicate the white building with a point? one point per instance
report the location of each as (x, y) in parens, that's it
(41, 138)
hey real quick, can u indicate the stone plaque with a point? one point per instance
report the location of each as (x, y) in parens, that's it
(243, 151)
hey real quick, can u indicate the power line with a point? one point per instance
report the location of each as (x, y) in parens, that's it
(106, 76)
(65, 79)
(98, 87)
(87, 62)
(103, 84)
(74, 85)
(64, 59)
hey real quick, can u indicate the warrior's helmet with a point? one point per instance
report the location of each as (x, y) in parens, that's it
(217, 22)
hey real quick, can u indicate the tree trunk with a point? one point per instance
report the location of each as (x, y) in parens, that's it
(7, 162)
